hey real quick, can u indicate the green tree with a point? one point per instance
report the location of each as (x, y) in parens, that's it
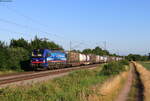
(3, 56)
(19, 43)
(38, 43)
(136, 57)
(87, 51)
(97, 50)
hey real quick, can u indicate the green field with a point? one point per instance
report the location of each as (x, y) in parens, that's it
(146, 64)
(74, 87)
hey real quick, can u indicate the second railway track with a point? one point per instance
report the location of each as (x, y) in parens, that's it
(19, 79)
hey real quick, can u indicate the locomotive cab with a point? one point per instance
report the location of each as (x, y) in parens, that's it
(38, 58)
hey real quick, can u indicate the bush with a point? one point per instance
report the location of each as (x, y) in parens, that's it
(137, 57)
(114, 68)
(11, 58)
(17, 56)
(124, 62)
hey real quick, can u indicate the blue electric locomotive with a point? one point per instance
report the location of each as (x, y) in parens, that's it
(48, 59)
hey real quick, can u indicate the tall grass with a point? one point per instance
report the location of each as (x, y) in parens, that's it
(145, 78)
(73, 87)
(68, 88)
(114, 68)
(146, 64)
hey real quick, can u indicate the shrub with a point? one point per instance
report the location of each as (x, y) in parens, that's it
(124, 62)
(114, 68)
(12, 58)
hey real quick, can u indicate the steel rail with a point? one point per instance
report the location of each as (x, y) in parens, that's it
(32, 75)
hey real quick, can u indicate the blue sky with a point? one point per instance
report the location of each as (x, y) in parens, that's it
(123, 24)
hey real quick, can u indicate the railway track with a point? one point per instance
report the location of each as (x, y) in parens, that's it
(34, 77)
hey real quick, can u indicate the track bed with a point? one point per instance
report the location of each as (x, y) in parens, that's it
(33, 77)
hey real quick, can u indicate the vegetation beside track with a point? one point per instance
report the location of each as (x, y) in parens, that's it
(7, 72)
(144, 75)
(146, 64)
(73, 87)
(114, 68)
(108, 91)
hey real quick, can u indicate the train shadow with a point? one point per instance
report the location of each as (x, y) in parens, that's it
(25, 65)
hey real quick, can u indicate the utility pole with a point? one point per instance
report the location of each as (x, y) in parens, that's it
(149, 56)
(117, 52)
(70, 46)
(104, 45)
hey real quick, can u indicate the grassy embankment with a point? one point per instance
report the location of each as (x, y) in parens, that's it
(74, 87)
(136, 91)
(109, 90)
(8, 72)
(146, 64)
(144, 74)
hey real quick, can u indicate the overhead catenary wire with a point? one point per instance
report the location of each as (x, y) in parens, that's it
(8, 30)
(33, 28)
(32, 20)
(26, 27)
(25, 16)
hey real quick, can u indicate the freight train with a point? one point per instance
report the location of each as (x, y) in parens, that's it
(55, 59)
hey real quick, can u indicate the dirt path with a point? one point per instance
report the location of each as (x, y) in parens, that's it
(133, 88)
(123, 96)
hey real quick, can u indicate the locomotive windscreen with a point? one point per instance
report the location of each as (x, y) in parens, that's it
(37, 53)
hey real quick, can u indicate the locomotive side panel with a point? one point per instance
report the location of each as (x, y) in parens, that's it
(56, 59)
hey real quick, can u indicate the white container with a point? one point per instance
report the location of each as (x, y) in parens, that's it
(106, 58)
(82, 57)
(87, 58)
(113, 58)
(97, 58)
(101, 58)
(117, 58)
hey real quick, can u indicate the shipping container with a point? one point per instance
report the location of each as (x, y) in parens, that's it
(87, 60)
(92, 58)
(97, 58)
(73, 57)
(106, 58)
(102, 60)
(82, 58)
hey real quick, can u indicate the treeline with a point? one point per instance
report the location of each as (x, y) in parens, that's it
(16, 55)
(137, 57)
(97, 51)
